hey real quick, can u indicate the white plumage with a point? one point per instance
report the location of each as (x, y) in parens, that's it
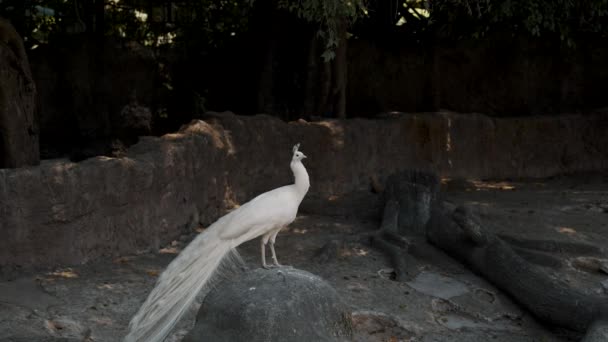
(191, 270)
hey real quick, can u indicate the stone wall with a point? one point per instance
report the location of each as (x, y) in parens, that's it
(67, 213)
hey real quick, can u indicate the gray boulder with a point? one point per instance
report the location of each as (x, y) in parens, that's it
(283, 304)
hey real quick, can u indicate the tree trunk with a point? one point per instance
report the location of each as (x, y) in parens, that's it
(100, 22)
(18, 125)
(325, 91)
(311, 88)
(266, 101)
(551, 299)
(339, 74)
(294, 79)
(267, 32)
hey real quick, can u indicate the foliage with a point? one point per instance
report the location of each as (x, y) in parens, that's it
(206, 23)
(35, 20)
(202, 23)
(329, 15)
(209, 23)
(566, 19)
(214, 23)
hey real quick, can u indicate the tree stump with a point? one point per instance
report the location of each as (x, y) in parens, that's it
(416, 193)
(409, 196)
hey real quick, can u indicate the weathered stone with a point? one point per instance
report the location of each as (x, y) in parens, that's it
(282, 304)
(69, 213)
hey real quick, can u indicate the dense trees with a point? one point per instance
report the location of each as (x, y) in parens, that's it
(321, 27)
(290, 57)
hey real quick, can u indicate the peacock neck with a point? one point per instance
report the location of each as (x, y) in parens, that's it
(302, 182)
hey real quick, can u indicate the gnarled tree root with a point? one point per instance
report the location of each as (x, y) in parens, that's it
(409, 196)
(388, 240)
(550, 299)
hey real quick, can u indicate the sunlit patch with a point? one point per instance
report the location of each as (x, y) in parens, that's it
(102, 320)
(53, 326)
(105, 287)
(479, 204)
(230, 198)
(141, 16)
(122, 260)
(566, 230)
(61, 167)
(169, 250)
(65, 273)
(336, 130)
(356, 251)
(332, 198)
(229, 143)
(300, 231)
(448, 138)
(166, 38)
(152, 273)
(483, 185)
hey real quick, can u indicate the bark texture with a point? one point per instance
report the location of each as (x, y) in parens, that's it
(460, 234)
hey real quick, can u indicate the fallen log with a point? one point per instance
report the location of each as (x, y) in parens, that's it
(552, 300)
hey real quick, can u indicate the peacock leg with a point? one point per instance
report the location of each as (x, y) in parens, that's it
(263, 248)
(264, 242)
(274, 254)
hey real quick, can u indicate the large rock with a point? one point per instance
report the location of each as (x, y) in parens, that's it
(18, 126)
(283, 304)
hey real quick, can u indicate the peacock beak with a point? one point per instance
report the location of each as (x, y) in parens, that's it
(303, 156)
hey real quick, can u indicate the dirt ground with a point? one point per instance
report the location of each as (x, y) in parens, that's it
(440, 300)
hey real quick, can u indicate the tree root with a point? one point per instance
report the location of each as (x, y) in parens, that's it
(513, 264)
(396, 255)
(388, 240)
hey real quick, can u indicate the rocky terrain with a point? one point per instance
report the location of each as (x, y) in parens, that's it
(439, 300)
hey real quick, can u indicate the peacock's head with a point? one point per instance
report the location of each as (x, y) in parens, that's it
(297, 155)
